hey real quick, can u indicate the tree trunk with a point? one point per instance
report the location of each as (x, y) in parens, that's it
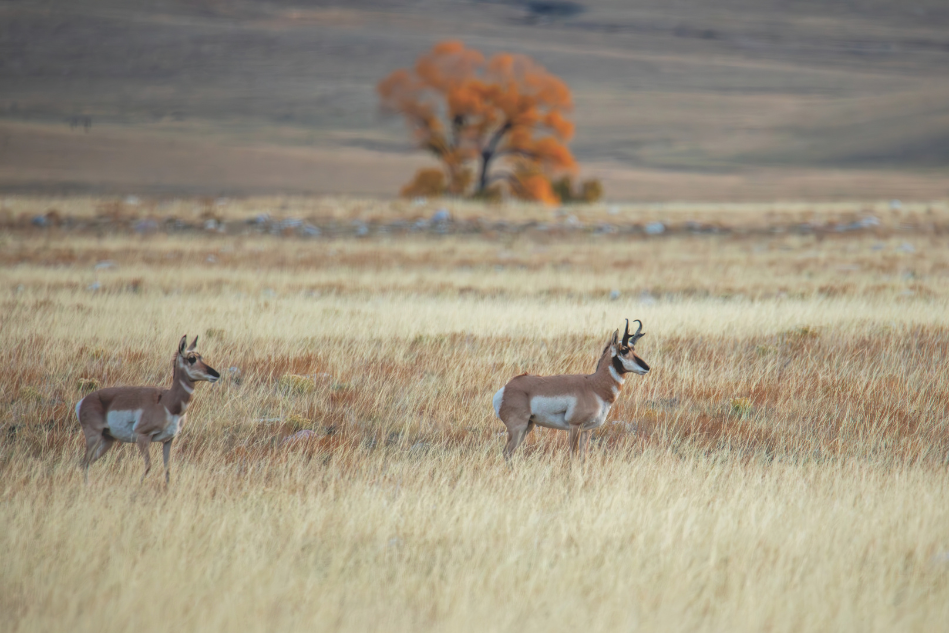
(488, 153)
(483, 174)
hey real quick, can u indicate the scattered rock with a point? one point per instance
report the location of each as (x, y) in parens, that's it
(290, 223)
(614, 295)
(309, 230)
(442, 215)
(863, 223)
(300, 436)
(146, 226)
(654, 228)
(906, 247)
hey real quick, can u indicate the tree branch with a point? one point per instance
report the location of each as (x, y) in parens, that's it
(514, 151)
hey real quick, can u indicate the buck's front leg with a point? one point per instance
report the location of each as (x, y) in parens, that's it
(143, 441)
(166, 455)
(574, 441)
(585, 442)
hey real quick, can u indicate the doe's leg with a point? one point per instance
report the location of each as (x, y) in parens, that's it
(142, 441)
(166, 454)
(92, 445)
(95, 449)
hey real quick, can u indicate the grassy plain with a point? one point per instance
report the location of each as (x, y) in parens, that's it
(782, 467)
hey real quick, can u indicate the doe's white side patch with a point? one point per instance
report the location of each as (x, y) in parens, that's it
(121, 424)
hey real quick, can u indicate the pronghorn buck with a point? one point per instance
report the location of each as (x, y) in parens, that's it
(577, 403)
(142, 415)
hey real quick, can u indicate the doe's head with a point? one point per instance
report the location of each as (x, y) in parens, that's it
(191, 363)
(622, 352)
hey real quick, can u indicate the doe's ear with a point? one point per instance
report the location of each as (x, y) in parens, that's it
(182, 343)
(194, 343)
(614, 338)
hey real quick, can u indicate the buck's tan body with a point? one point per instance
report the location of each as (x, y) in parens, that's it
(576, 403)
(142, 415)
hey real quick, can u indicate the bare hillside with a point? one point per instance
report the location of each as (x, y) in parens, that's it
(744, 100)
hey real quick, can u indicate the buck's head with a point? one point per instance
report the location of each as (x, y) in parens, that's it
(190, 363)
(622, 353)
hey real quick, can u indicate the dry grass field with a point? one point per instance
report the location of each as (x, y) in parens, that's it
(783, 466)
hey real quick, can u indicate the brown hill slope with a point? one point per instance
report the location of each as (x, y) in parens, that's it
(746, 100)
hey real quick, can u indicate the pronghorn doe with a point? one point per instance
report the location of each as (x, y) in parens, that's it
(142, 415)
(577, 403)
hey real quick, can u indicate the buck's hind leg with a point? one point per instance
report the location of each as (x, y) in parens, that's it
(517, 430)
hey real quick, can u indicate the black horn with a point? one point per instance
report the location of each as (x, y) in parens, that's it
(626, 333)
(637, 335)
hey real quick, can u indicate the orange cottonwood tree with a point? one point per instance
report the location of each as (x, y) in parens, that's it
(487, 121)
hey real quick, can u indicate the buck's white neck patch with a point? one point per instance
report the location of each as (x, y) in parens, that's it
(188, 390)
(615, 375)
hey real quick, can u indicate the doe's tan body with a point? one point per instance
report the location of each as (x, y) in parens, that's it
(142, 415)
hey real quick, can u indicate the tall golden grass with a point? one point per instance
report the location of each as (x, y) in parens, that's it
(782, 467)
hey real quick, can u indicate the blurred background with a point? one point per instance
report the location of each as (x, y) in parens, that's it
(743, 100)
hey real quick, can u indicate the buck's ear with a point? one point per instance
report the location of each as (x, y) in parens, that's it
(182, 343)
(615, 338)
(194, 343)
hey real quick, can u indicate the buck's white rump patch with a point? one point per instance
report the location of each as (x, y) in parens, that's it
(121, 424)
(497, 399)
(553, 411)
